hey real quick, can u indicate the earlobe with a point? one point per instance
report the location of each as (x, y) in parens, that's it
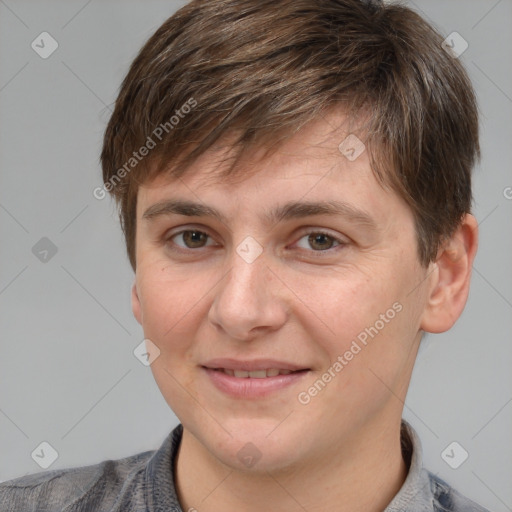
(136, 306)
(450, 278)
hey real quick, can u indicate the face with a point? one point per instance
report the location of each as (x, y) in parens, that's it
(307, 264)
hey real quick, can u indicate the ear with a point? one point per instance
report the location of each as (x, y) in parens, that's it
(450, 277)
(136, 307)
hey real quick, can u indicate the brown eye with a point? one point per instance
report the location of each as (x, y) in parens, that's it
(191, 239)
(320, 241)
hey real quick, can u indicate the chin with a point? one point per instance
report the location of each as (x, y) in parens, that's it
(258, 445)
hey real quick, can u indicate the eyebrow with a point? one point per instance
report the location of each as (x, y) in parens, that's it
(287, 211)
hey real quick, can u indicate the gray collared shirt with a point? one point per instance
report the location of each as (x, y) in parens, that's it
(145, 483)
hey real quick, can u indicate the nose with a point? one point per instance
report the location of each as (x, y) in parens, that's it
(248, 302)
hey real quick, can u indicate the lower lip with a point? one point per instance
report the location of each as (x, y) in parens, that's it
(241, 387)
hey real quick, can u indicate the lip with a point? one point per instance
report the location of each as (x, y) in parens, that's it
(254, 365)
(251, 388)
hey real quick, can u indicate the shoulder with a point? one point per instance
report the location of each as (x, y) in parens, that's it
(60, 488)
(448, 499)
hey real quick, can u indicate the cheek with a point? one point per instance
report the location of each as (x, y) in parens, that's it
(345, 304)
(171, 304)
(368, 322)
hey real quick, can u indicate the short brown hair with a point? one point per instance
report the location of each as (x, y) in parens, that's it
(261, 69)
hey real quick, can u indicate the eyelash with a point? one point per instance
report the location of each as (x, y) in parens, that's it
(340, 243)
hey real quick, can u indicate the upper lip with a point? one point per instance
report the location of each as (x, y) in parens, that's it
(253, 365)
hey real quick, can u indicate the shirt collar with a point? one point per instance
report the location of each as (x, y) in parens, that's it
(160, 485)
(415, 493)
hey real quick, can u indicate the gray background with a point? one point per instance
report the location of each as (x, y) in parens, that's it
(68, 375)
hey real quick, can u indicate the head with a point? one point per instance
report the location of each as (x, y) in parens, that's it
(265, 114)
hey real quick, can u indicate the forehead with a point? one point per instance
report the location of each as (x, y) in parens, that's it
(323, 160)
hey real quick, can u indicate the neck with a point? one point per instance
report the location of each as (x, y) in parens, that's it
(361, 474)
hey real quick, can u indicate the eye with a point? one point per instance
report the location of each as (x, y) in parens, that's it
(319, 241)
(190, 239)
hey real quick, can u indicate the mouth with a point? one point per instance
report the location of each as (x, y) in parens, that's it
(255, 379)
(256, 374)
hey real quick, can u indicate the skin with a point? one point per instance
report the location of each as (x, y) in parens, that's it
(299, 301)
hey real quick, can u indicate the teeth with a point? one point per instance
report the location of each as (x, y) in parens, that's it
(257, 374)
